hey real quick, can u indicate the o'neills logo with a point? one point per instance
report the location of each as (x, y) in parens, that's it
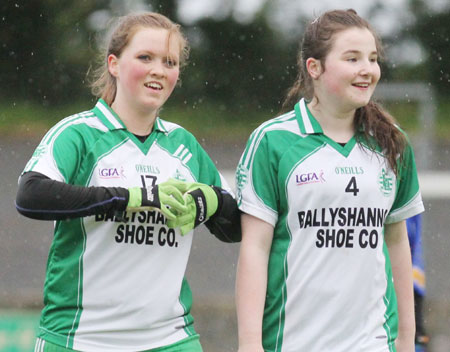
(201, 206)
(150, 196)
(310, 177)
(111, 172)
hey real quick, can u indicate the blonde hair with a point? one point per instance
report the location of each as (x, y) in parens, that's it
(104, 84)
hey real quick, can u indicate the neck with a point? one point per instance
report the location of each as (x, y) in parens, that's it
(338, 125)
(137, 122)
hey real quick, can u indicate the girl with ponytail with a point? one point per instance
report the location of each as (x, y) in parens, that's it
(325, 189)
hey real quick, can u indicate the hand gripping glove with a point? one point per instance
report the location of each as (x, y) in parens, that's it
(201, 201)
(164, 197)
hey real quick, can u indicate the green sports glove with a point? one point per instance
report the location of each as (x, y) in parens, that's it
(201, 201)
(164, 197)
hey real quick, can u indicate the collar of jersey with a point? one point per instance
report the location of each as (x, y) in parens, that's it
(306, 121)
(111, 120)
(309, 125)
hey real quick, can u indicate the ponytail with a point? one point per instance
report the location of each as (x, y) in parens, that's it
(379, 125)
(292, 97)
(303, 83)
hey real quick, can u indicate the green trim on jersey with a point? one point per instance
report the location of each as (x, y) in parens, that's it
(65, 251)
(53, 133)
(307, 122)
(278, 264)
(309, 125)
(390, 299)
(258, 134)
(76, 320)
(186, 302)
(108, 116)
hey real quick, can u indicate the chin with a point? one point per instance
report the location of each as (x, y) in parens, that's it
(152, 105)
(362, 104)
(359, 103)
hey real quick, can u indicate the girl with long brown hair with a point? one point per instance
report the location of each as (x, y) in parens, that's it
(325, 189)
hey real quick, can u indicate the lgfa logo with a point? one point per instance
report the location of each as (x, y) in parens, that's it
(310, 177)
(111, 172)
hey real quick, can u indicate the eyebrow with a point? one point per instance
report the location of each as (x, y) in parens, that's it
(151, 52)
(357, 52)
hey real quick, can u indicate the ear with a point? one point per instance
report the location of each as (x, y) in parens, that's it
(314, 67)
(113, 65)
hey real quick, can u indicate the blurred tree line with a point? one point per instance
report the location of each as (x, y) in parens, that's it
(48, 46)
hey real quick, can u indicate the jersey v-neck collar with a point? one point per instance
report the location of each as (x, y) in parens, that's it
(309, 125)
(113, 122)
(107, 115)
(306, 121)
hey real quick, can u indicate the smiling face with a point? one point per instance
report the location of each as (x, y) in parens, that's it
(146, 71)
(350, 72)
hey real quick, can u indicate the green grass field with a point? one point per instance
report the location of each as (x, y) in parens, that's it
(208, 122)
(18, 330)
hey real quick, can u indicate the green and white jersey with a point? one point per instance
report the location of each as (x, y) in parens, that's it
(110, 285)
(330, 283)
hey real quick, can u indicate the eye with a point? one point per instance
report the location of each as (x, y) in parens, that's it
(171, 62)
(144, 57)
(374, 59)
(352, 59)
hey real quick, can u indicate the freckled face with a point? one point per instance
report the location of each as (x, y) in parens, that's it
(147, 70)
(351, 70)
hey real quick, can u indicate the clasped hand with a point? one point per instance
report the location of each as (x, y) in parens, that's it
(185, 204)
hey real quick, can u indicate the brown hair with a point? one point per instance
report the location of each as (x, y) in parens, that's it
(104, 84)
(372, 119)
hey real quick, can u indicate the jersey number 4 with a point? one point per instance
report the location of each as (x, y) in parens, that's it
(352, 187)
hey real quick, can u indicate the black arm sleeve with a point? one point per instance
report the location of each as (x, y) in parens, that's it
(225, 224)
(42, 198)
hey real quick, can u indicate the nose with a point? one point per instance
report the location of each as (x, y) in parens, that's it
(157, 69)
(364, 70)
(368, 68)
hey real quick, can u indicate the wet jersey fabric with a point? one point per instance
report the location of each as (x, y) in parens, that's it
(330, 284)
(112, 285)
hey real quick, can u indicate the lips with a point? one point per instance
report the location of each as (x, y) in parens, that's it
(154, 85)
(361, 85)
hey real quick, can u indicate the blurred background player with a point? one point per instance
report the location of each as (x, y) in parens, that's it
(414, 227)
